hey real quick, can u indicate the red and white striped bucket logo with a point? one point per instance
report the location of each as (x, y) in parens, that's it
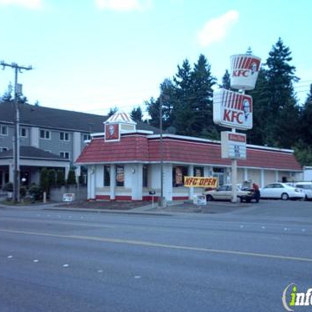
(244, 71)
(232, 109)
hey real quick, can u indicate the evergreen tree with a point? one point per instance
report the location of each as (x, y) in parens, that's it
(260, 96)
(44, 180)
(303, 149)
(71, 178)
(168, 98)
(52, 178)
(201, 103)
(226, 81)
(7, 95)
(60, 178)
(280, 76)
(112, 111)
(136, 114)
(305, 122)
(152, 108)
(192, 109)
(183, 117)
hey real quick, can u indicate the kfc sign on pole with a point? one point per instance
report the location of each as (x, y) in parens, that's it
(232, 109)
(244, 71)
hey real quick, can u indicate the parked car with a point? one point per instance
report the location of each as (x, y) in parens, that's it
(306, 188)
(282, 191)
(224, 192)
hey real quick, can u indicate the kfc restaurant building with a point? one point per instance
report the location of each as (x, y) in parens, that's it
(124, 163)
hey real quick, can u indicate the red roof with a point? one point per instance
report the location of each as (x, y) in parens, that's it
(142, 148)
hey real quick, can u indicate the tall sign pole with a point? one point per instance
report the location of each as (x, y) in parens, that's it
(235, 110)
(16, 141)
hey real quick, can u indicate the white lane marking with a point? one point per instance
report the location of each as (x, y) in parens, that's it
(159, 245)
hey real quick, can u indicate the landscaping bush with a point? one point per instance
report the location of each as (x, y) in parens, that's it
(8, 187)
(22, 191)
(36, 192)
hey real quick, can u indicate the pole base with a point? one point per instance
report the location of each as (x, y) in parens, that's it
(162, 202)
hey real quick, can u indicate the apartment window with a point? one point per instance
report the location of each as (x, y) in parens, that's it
(4, 130)
(23, 132)
(64, 155)
(106, 175)
(45, 134)
(64, 136)
(3, 149)
(86, 137)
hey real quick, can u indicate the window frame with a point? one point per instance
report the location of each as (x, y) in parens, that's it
(22, 129)
(6, 132)
(64, 136)
(64, 153)
(46, 134)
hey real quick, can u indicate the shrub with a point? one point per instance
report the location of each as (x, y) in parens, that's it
(44, 180)
(8, 187)
(71, 179)
(36, 192)
(60, 178)
(22, 191)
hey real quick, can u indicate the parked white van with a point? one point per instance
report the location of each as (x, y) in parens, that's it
(306, 187)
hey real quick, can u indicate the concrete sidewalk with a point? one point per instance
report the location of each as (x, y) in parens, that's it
(150, 209)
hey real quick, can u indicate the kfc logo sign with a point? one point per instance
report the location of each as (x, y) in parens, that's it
(232, 109)
(240, 73)
(244, 71)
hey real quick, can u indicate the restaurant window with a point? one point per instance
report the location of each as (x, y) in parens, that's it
(120, 176)
(145, 175)
(106, 175)
(178, 175)
(198, 172)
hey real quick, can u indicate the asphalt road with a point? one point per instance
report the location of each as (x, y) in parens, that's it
(54, 260)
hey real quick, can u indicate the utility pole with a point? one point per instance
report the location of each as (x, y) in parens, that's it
(16, 142)
(161, 201)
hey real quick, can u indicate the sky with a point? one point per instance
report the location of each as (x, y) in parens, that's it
(94, 55)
